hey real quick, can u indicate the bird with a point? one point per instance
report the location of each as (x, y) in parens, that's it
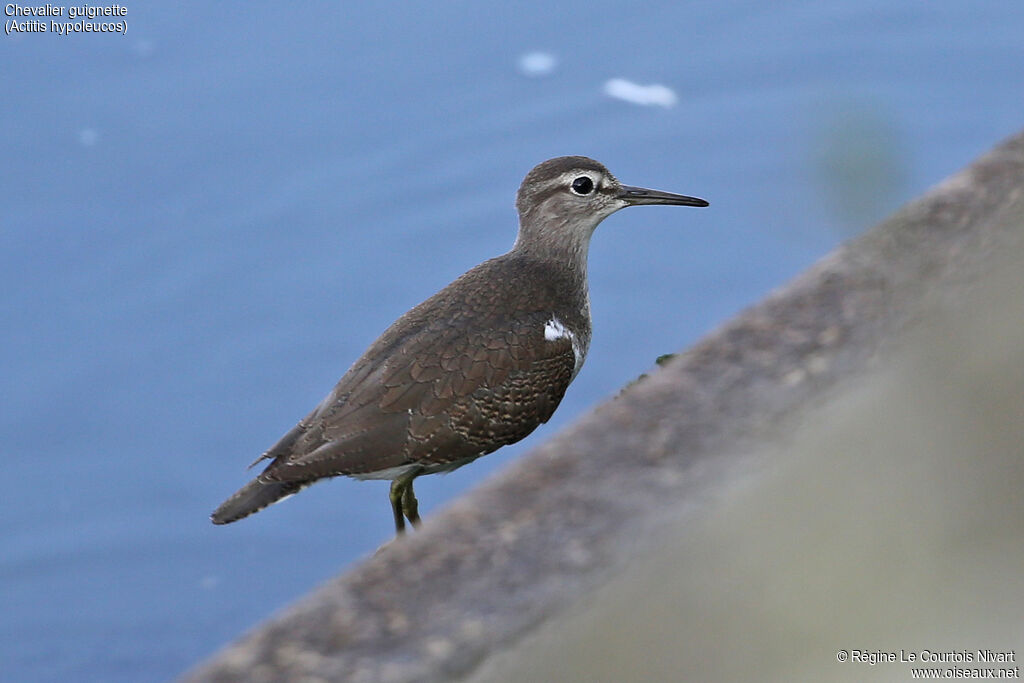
(477, 366)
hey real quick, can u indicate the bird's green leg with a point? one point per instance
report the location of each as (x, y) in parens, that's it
(410, 506)
(396, 495)
(403, 501)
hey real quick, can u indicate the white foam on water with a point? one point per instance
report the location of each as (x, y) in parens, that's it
(645, 95)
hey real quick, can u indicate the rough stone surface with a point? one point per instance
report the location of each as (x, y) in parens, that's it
(568, 517)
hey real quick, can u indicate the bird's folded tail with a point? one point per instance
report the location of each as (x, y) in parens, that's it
(253, 497)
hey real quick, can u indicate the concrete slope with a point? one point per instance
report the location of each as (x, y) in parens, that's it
(838, 469)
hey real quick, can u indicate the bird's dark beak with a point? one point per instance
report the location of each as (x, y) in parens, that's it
(636, 196)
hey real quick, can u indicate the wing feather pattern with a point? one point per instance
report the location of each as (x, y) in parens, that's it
(434, 404)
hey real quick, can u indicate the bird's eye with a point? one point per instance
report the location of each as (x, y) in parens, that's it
(582, 185)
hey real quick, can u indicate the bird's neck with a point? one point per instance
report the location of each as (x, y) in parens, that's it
(556, 243)
(559, 269)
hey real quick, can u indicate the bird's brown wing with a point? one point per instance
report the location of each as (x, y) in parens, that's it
(439, 394)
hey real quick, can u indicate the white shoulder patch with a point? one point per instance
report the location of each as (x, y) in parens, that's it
(554, 330)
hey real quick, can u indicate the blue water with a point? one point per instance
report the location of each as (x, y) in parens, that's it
(205, 221)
